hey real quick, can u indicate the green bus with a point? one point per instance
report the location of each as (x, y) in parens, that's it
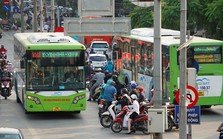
(133, 57)
(44, 64)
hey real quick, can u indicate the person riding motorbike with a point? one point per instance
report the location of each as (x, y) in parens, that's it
(134, 113)
(99, 76)
(140, 94)
(109, 67)
(110, 92)
(2, 49)
(133, 86)
(118, 85)
(125, 100)
(4, 75)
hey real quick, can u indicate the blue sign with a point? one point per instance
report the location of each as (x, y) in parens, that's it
(193, 115)
(6, 8)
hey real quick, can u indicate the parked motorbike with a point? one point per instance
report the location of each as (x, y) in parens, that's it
(108, 116)
(140, 123)
(5, 87)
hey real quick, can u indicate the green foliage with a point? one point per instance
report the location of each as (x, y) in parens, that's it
(142, 17)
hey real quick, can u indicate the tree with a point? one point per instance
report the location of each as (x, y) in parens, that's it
(213, 14)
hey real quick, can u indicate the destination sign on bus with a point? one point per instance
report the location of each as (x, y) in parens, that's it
(208, 54)
(55, 54)
(208, 49)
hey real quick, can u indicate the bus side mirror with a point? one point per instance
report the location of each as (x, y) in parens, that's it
(22, 64)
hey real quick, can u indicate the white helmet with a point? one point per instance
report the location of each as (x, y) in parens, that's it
(133, 96)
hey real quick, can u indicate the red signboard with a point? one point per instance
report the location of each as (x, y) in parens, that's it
(191, 94)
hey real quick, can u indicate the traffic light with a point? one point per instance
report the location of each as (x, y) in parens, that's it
(190, 57)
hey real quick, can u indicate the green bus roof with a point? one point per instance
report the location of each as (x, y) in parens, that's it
(47, 41)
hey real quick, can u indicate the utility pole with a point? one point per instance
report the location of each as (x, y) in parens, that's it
(22, 16)
(35, 16)
(157, 75)
(52, 16)
(183, 67)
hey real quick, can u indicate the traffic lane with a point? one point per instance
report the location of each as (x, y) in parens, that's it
(87, 125)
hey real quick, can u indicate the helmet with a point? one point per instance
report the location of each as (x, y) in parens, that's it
(125, 90)
(113, 83)
(125, 108)
(133, 85)
(5, 69)
(140, 88)
(114, 77)
(133, 96)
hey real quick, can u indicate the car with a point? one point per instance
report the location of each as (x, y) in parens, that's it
(97, 60)
(10, 133)
(100, 47)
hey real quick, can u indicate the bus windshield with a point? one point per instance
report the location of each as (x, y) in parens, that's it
(55, 70)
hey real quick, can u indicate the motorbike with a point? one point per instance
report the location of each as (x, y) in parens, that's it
(97, 92)
(220, 129)
(140, 123)
(109, 115)
(102, 106)
(5, 87)
(170, 117)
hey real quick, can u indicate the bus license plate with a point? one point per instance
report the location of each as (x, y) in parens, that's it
(201, 93)
(56, 108)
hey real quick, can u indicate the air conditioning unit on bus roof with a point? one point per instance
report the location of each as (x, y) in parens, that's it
(47, 39)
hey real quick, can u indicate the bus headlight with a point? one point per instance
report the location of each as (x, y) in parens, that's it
(77, 98)
(35, 99)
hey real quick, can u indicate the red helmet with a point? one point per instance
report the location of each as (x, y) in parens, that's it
(125, 108)
(140, 88)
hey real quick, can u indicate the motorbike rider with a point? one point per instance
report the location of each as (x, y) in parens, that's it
(2, 49)
(133, 86)
(107, 76)
(99, 76)
(110, 92)
(109, 67)
(118, 85)
(134, 113)
(140, 94)
(6, 74)
(125, 100)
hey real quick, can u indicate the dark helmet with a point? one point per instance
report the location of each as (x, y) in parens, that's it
(109, 75)
(124, 91)
(114, 77)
